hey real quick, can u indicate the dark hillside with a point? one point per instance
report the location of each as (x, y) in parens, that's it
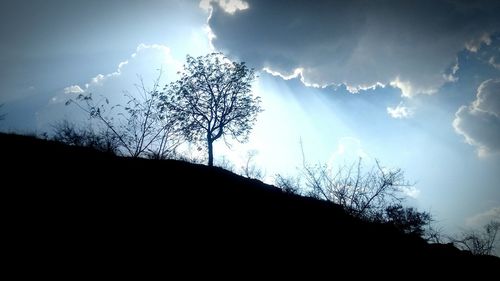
(76, 209)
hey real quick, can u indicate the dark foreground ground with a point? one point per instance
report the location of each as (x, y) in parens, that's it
(72, 212)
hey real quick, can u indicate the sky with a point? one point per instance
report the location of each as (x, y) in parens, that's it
(414, 84)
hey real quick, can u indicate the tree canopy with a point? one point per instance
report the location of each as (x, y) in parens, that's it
(213, 99)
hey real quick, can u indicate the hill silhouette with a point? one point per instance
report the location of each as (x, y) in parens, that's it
(76, 209)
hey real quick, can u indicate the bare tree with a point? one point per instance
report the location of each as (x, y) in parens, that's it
(364, 194)
(213, 99)
(250, 169)
(434, 234)
(479, 243)
(140, 127)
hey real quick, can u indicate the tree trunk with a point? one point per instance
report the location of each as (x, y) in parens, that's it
(210, 152)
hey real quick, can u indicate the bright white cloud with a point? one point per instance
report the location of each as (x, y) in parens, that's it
(75, 89)
(358, 88)
(358, 43)
(229, 6)
(400, 111)
(479, 123)
(411, 191)
(296, 73)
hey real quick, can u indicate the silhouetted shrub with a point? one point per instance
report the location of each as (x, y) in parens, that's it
(140, 127)
(287, 184)
(364, 194)
(250, 169)
(374, 194)
(225, 164)
(68, 133)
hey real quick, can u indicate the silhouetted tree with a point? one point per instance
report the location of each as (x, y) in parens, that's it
(435, 235)
(213, 99)
(407, 219)
(479, 243)
(141, 128)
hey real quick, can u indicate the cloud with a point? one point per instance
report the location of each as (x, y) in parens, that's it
(145, 63)
(493, 61)
(411, 45)
(75, 89)
(474, 44)
(228, 6)
(479, 123)
(410, 191)
(153, 56)
(400, 111)
(481, 219)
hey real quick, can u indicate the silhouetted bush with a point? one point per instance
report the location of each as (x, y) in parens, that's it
(68, 133)
(288, 184)
(141, 128)
(225, 164)
(250, 169)
(374, 194)
(365, 194)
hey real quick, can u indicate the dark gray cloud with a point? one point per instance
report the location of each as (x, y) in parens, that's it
(411, 44)
(479, 122)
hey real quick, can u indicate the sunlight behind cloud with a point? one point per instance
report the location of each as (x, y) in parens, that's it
(296, 73)
(145, 63)
(145, 60)
(358, 43)
(479, 123)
